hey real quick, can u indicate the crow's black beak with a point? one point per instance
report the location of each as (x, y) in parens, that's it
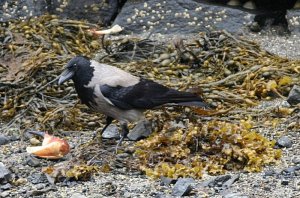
(66, 75)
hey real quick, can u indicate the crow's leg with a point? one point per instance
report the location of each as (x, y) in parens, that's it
(124, 133)
(108, 122)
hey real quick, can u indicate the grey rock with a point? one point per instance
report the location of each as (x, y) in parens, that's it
(111, 132)
(183, 187)
(294, 95)
(235, 195)
(167, 181)
(5, 194)
(284, 141)
(179, 17)
(6, 186)
(296, 160)
(32, 161)
(77, 195)
(142, 130)
(37, 178)
(290, 170)
(270, 173)
(97, 11)
(229, 182)
(3, 140)
(5, 174)
(40, 186)
(217, 181)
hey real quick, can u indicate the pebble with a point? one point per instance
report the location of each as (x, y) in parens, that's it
(235, 195)
(111, 132)
(32, 161)
(5, 174)
(284, 141)
(6, 186)
(34, 141)
(296, 160)
(285, 182)
(294, 95)
(5, 194)
(183, 187)
(142, 130)
(290, 170)
(165, 181)
(3, 140)
(78, 195)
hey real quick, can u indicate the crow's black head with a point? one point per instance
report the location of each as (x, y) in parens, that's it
(77, 67)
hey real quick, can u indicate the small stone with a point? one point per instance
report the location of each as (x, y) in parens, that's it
(142, 130)
(290, 170)
(285, 182)
(3, 140)
(32, 161)
(40, 186)
(6, 186)
(183, 187)
(229, 182)
(235, 195)
(77, 195)
(294, 95)
(5, 194)
(296, 160)
(34, 141)
(5, 174)
(270, 173)
(111, 132)
(284, 141)
(255, 27)
(165, 181)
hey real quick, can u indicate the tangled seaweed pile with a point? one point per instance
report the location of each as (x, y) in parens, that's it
(233, 74)
(33, 53)
(213, 147)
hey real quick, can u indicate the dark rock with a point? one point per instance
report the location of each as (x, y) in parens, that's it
(111, 132)
(96, 11)
(5, 174)
(230, 181)
(3, 140)
(216, 181)
(6, 186)
(33, 161)
(165, 181)
(255, 27)
(142, 130)
(183, 187)
(37, 178)
(285, 182)
(284, 141)
(294, 95)
(179, 17)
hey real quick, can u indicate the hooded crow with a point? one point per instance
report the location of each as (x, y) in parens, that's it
(118, 94)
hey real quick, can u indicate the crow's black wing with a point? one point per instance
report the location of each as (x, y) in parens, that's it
(146, 94)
